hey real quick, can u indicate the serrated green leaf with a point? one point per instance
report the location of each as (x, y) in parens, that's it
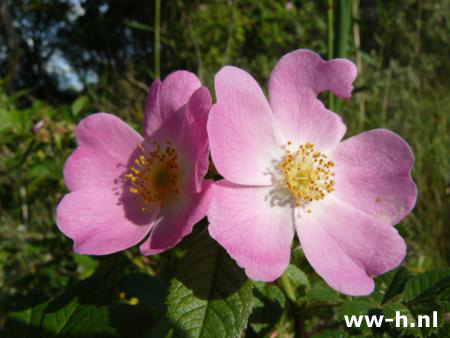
(88, 309)
(390, 285)
(298, 278)
(428, 308)
(116, 320)
(355, 308)
(397, 284)
(268, 304)
(26, 323)
(390, 311)
(322, 293)
(93, 292)
(427, 285)
(211, 296)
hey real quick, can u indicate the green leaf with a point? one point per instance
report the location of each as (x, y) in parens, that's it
(26, 323)
(430, 309)
(322, 293)
(88, 309)
(444, 331)
(427, 285)
(82, 299)
(86, 264)
(397, 284)
(356, 308)
(211, 296)
(268, 304)
(444, 300)
(298, 278)
(150, 291)
(390, 285)
(138, 25)
(390, 311)
(79, 105)
(332, 334)
(116, 320)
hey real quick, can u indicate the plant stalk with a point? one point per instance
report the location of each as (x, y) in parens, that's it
(157, 38)
(330, 12)
(287, 287)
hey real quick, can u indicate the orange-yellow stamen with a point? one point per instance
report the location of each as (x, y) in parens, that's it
(154, 175)
(307, 174)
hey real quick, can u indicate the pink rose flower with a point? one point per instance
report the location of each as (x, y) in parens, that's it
(124, 186)
(285, 168)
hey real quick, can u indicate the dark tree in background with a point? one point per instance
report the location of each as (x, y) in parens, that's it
(47, 46)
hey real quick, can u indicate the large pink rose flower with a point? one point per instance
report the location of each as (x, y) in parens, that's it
(124, 186)
(285, 168)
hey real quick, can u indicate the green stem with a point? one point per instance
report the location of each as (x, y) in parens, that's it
(330, 45)
(287, 287)
(157, 38)
(330, 30)
(293, 308)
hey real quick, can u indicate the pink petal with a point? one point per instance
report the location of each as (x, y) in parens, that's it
(195, 137)
(254, 229)
(102, 221)
(152, 116)
(105, 146)
(241, 129)
(294, 84)
(177, 220)
(186, 131)
(348, 247)
(373, 173)
(174, 92)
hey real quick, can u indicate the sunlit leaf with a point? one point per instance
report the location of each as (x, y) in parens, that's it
(211, 296)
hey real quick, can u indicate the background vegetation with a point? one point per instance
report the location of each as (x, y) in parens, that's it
(62, 60)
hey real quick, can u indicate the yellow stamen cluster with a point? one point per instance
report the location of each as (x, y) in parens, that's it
(307, 174)
(155, 174)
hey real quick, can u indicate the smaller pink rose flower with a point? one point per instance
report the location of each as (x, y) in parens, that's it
(285, 167)
(125, 187)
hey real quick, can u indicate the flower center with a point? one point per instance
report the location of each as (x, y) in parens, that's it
(155, 174)
(307, 174)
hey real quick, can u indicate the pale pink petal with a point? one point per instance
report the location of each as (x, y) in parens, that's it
(186, 132)
(194, 138)
(373, 173)
(242, 130)
(176, 89)
(253, 227)
(166, 98)
(105, 146)
(152, 110)
(347, 247)
(294, 84)
(102, 221)
(177, 220)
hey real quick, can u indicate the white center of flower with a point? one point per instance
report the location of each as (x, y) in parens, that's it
(155, 174)
(307, 174)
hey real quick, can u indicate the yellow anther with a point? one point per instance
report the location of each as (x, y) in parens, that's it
(307, 174)
(157, 178)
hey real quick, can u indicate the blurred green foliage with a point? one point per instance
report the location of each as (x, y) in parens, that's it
(400, 47)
